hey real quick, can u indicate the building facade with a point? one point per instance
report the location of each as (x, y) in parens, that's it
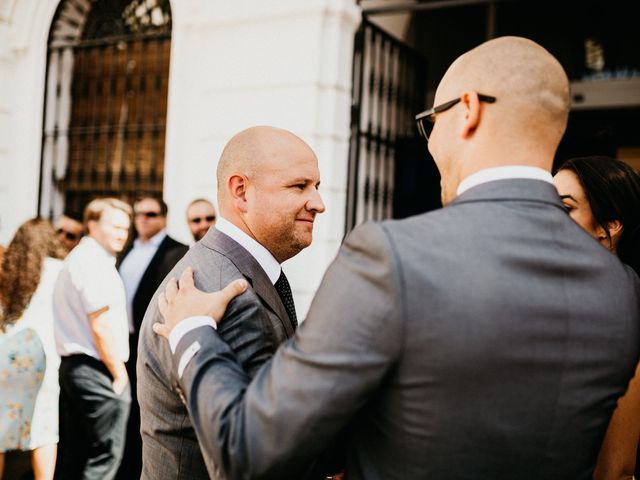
(121, 97)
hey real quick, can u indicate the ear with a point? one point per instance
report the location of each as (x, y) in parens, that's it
(237, 187)
(615, 231)
(471, 104)
(91, 226)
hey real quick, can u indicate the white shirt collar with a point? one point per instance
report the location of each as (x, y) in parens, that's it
(502, 173)
(156, 240)
(263, 256)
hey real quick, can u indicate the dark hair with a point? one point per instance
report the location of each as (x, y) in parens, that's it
(22, 266)
(164, 208)
(612, 188)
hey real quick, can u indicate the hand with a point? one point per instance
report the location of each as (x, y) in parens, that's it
(119, 384)
(182, 300)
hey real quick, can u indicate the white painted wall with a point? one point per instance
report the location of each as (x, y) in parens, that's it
(24, 27)
(285, 63)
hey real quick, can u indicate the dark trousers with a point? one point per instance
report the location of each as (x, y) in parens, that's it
(131, 466)
(93, 419)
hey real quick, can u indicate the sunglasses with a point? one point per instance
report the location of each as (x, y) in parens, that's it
(208, 218)
(426, 119)
(68, 235)
(148, 214)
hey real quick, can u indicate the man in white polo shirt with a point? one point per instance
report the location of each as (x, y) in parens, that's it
(92, 338)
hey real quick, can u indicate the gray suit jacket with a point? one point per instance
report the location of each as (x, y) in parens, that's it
(255, 325)
(487, 340)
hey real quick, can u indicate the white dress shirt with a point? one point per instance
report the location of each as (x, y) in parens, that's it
(503, 173)
(88, 282)
(263, 256)
(134, 265)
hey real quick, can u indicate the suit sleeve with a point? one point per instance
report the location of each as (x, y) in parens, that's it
(273, 426)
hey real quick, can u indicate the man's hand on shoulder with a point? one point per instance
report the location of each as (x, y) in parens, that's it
(181, 300)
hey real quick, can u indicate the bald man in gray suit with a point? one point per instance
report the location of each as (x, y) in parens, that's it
(487, 340)
(268, 197)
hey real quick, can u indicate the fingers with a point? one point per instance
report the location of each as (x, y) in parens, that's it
(186, 279)
(161, 329)
(234, 289)
(171, 290)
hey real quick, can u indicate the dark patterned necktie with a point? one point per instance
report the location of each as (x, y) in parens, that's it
(284, 290)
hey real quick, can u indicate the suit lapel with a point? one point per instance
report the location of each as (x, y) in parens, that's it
(157, 257)
(251, 269)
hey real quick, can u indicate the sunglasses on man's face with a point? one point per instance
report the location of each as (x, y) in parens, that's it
(68, 235)
(148, 214)
(426, 119)
(208, 218)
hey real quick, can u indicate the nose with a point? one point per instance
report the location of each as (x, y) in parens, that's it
(315, 203)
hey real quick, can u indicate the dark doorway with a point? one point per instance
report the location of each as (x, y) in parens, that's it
(386, 156)
(594, 41)
(106, 102)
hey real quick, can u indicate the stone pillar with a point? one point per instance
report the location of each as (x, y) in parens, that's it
(285, 63)
(24, 28)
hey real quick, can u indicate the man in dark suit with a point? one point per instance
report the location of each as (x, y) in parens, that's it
(486, 340)
(268, 200)
(143, 265)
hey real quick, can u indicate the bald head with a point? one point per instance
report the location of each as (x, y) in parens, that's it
(523, 126)
(531, 86)
(252, 152)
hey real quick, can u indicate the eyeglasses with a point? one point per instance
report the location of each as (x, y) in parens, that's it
(69, 235)
(208, 218)
(426, 119)
(148, 214)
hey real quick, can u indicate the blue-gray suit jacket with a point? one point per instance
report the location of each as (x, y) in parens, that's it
(254, 327)
(487, 340)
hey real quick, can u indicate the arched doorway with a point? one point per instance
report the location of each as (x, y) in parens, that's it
(105, 102)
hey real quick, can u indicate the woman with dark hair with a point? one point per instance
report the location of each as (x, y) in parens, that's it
(28, 360)
(603, 196)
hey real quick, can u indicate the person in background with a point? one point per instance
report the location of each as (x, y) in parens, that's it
(28, 360)
(142, 266)
(91, 331)
(603, 196)
(69, 231)
(201, 214)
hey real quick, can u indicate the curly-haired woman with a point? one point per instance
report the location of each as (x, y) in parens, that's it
(28, 361)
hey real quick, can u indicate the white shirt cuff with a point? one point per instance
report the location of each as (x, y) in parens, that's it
(184, 327)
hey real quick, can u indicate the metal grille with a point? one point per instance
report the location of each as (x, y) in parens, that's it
(389, 88)
(106, 102)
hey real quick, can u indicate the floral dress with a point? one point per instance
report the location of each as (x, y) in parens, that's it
(22, 368)
(29, 389)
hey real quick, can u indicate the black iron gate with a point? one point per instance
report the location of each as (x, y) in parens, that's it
(106, 102)
(388, 161)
